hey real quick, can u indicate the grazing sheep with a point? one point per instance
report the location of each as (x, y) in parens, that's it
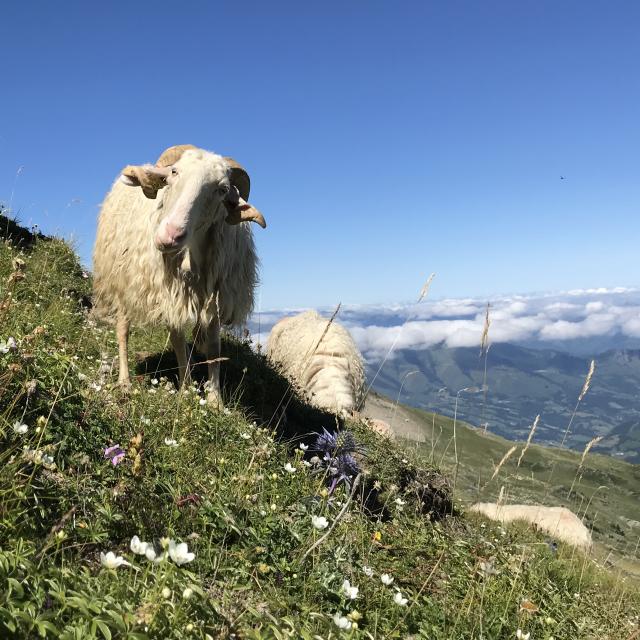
(321, 358)
(559, 522)
(174, 247)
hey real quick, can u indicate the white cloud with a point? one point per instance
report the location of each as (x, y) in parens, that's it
(581, 313)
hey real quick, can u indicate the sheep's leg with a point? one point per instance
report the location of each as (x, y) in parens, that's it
(180, 347)
(122, 333)
(212, 352)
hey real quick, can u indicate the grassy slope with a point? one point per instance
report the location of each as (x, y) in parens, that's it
(606, 490)
(224, 490)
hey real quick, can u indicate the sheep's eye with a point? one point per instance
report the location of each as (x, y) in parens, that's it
(174, 171)
(223, 190)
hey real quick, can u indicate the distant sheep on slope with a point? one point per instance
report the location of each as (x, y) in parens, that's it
(321, 358)
(174, 247)
(559, 522)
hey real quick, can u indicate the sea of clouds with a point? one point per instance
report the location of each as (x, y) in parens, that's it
(543, 319)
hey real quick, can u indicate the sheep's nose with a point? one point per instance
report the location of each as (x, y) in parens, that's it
(170, 236)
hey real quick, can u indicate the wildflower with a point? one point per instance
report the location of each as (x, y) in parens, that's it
(400, 502)
(341, 622)
(179, 553)
(349, 591)
(319, 522)
(245, 436)
(377, 536)
(95, 386)
(386, 579)
(187, 593)
(146, 421)
(111, 561)
(115, 454)
(399, 600)
(166, 593)
(226, 411)
(306, 463)
(170, 442)
(487, 569)
(521, 635)
(20, 428)
(202, 402)
(315, 460)
(303, 446)
(9, 345)
(137, 546)
(368, 571)
(154, 381)
(152, 556)
(289, 468)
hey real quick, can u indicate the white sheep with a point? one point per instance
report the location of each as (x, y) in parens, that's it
(174, 247)
(559, 522)
(321, 358)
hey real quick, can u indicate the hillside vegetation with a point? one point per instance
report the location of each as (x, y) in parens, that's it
(236, 535)
(604, 491)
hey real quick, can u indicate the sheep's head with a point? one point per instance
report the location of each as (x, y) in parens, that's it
(198, 188)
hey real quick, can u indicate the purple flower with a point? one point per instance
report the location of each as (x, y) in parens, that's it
(115, 454)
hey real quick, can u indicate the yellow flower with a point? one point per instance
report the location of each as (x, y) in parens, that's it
(377, 536)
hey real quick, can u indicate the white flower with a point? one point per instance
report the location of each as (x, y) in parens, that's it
(152, 556)
(303, 446)
(166, 593)
(400, 502)
(154, 381)
(368, 571)
(315, 460)
(226, 411)
(245, 436)
(170, 442)
(144, 420)
(20, 428)
(289, 468)
(112, 561)
(137, 546)
(187, 593)
(341, 622)
(521, 635)
(306, 463)
(386, 579)
(399, 600)
(179, 552)
(202, 402)
(319, 522)
(7, 346)
(349, 591)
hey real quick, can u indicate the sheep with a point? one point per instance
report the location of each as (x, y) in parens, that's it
(174, 247)
(559, 522)
(321, 358)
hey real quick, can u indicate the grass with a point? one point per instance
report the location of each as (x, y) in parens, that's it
(602, 490)
(261, 568)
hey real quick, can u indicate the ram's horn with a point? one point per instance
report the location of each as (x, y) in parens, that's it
(172, 154)
(239, 178)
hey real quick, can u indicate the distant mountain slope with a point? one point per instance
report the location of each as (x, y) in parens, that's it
(522, 383)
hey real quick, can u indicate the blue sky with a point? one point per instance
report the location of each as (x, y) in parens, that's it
(385, 141)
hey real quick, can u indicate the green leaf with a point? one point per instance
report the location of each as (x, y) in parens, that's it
(104, 629)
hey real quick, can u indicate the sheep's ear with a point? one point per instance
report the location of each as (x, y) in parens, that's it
(245, 213)
(240, 211)
(149, 178)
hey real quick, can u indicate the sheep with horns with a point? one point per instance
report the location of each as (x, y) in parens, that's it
(320, 357)
(174, 247)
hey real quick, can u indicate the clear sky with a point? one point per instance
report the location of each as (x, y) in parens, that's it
(385, 140)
